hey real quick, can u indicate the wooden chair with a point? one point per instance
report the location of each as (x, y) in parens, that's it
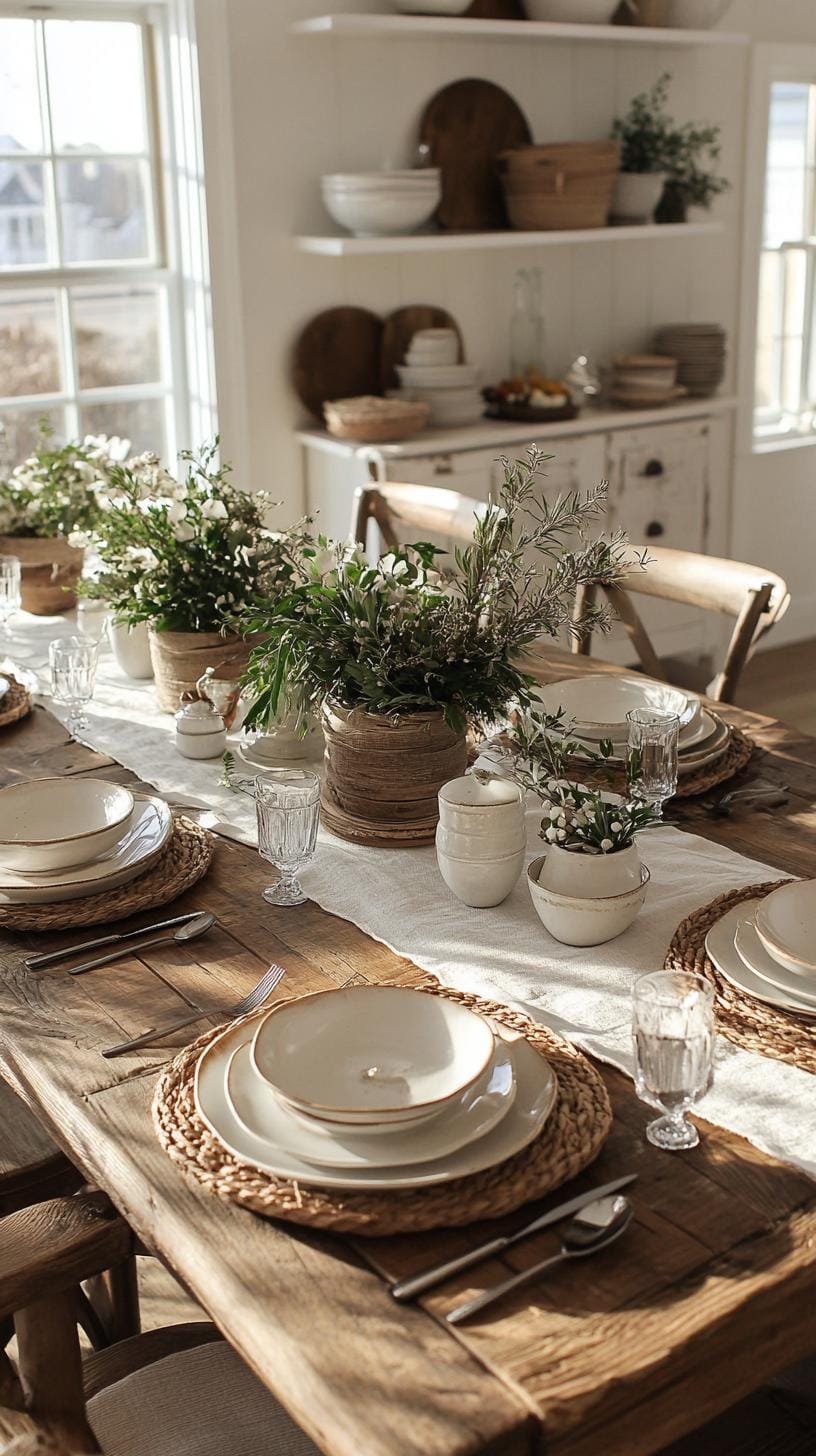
(423, 508)
(161, 1393)
(756, 598)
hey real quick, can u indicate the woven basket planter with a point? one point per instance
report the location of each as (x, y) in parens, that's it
(564, 185)
(49, 570)
(384, 773)
(180, 658)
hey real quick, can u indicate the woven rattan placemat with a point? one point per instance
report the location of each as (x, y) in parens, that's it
(15, 703)
(185, 859)
(748, 1023)
(570, 1139)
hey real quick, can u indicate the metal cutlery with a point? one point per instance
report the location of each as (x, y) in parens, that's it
(596, 1227)
(37, 962)
(416, 1284)
(198, 925)
(250, 1002)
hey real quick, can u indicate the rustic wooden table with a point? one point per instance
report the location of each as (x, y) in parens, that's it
(711, 1293)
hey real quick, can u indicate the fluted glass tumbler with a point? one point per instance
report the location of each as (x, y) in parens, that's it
(653, 741)
(10, 593)
(287, 804)
(673, 1034)
(73, 676)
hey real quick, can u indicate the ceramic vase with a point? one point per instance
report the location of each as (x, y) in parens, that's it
(636, 196)
(131, 649)
(590, 876)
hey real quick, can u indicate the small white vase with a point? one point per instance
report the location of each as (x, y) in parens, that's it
(590, 876)
(131, 649)
(636, 196)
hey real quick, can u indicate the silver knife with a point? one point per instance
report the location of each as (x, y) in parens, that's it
(406, 1289)
(36, 962)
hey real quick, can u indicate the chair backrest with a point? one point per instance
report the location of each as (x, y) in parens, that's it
(404, 512)
(756, 598)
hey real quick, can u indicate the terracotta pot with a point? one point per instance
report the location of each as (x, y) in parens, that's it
(180, 658)
(383, 774)
(49, 569)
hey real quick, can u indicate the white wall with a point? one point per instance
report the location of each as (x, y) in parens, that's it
(285, 109)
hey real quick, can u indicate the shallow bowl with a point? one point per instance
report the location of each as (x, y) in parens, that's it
(481, 883)
(577, 921)
(380, 214)
(424, 1050)
(786, 924)
(48, 824)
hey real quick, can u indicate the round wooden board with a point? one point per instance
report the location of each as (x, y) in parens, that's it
(399, 329)
(465, 126)
(496, 10)
(337, 356)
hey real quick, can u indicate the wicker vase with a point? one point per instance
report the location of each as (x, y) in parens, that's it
(49, 570)
(383, 774)
(180, 658)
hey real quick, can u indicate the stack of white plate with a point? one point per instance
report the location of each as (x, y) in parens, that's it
(376, 204)
(451, 391)
(65, 839)
(767, 948)
(372, 1087)
(595, 708)
(700, 353)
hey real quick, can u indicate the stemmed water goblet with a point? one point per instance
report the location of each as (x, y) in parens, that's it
(287, 804)
(10, 595)
(673, 1034)
(653, 746)
(73, 677)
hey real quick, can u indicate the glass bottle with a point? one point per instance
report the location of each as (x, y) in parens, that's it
(527, 323)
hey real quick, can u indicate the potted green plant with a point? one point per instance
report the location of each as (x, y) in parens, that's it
(401, 660)
(645, 136)
(48, 507)
(692, 179)
(185, 559)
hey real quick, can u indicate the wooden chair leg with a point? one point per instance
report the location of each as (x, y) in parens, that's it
(581, 638)
(51, 1368)
(114, 1297)
(90, 1323)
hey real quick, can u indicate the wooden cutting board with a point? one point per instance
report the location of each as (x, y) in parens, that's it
(337, 355)
(496, 10)
(465, 126)
(399, 329)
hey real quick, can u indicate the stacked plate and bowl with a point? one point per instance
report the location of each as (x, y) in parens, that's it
(700, 353)
(379, 204)
(372, 1087)
(65, 839)
(432, 375)
(767, 948)
(595, 708)
(645, 381)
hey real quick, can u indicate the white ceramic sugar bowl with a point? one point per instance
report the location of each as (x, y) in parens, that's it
(200, 731)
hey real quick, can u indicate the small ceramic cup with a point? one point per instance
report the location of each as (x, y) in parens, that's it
(481, 883)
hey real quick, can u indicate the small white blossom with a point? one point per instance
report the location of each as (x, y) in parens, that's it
(80, 539)
(177, 513)
(551, 834)
(562, 834)
(183, 532)
(606, 845)
(616, 827)
(214, 510)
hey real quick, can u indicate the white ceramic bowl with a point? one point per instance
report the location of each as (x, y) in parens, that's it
(786, 924)
(425, 1050)
(396, 180)
(484, 883)
(381, 213)
(481, 806)
(572, 12)
(438, 376)
(458, 845)
(575, 921)
(48, 824)
(598, 702)
(696, 14)
(432, 7)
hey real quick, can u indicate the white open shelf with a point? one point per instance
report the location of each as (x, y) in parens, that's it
(336, 246)
(410, 27)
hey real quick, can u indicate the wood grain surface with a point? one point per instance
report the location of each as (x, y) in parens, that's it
(337, 356)
(465, 126)
(709, 1294)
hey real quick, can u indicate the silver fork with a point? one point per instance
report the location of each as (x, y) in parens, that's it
(251, 1002)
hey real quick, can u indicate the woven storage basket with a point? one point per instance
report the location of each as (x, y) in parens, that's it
(371, 420)
(180, 658)
(566, 185)
(49, 570)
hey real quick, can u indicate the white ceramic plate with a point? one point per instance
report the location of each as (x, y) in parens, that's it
(722, 952)
(469, 1117)
(750, 948)
(599, 702)
(364, 1054)
(144, 839)
(708, 742)
(786, 925)
(536, 1090)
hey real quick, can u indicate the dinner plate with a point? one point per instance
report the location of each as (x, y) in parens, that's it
(722, 952)
(750, 948)
(471, 1116)
(144, 838)
(786, 925)
(536, 1091)
(598, 703)
(693, 753)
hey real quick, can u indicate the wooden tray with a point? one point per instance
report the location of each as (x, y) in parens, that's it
(535, 416)
(337, 356)
(465, 126)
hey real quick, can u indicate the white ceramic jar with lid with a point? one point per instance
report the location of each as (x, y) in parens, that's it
(200, 731)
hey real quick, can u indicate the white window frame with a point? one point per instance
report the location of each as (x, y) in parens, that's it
(771, 64)
(181, 261)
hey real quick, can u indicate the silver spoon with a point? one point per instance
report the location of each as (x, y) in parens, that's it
(594, 1228)
(191, 931)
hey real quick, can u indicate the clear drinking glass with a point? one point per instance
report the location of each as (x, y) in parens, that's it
(653, 739)
(673, 1033)
(10, 596)
(287, 803)
(73, 676)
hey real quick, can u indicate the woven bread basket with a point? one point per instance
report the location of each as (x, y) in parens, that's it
(565, 185)
(370, 419)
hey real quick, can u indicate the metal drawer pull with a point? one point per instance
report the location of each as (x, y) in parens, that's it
(654, 467)
(654, 529)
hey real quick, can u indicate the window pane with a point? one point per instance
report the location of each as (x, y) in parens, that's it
(103, 210)
(786, 183)
(20, 118)
(141, 421)
(29, 344)
(22, 214)
(19, 430)
(96, 84)
(117, 335)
